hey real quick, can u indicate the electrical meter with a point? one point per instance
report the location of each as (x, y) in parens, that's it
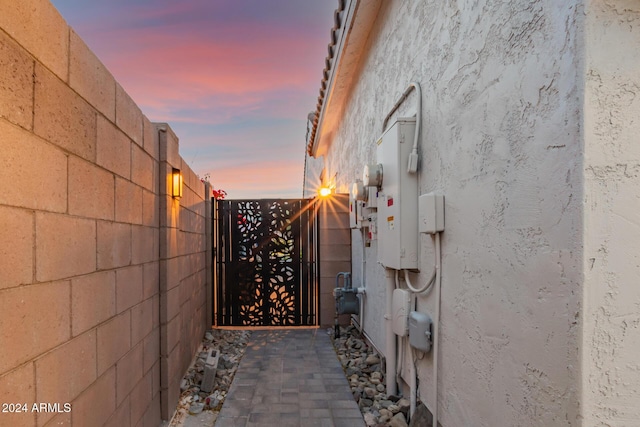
(372, 175)
(359, 191)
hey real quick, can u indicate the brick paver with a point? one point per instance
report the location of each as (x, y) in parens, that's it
(290, 378)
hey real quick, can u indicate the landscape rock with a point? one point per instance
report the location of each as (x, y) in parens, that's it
(398, 420)
(194, 402)
(363, 370)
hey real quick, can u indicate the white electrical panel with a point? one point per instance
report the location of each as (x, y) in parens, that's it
(401, 304)
(397, 197)
(431, 213)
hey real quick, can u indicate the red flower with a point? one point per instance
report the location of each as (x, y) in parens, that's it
(218, 194)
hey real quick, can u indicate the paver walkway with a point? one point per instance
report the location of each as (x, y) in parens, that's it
(290, 378)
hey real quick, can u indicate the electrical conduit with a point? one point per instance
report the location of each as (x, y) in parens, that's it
(390, 338)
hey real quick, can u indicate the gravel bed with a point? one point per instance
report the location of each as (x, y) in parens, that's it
(362, 367)
(194, 402)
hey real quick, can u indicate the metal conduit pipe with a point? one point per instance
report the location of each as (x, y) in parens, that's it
(413, 385)
(390, 338)
(436, 329)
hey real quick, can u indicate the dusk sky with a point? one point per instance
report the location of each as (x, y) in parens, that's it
(235, 79)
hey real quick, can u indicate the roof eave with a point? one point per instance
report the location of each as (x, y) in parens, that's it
(354, 19)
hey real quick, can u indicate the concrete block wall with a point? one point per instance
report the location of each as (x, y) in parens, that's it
(334, 252)
(86, 244)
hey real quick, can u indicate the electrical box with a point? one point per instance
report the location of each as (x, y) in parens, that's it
(371, 202)
(355, 213)
(431, 213)
(420, 331)
(401, 304)
(397, 197)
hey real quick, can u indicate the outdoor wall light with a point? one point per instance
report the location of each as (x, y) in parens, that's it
(325, 191)
(176, 183)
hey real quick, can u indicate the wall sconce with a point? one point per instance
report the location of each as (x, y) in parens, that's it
(176, 183)
(325, 191)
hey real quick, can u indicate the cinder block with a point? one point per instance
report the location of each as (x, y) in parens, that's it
(122, 416)
(329, 269)
(114, 245)
(169, 274)
(335, 252)
(173, 332)
(174, 245)
(169, 335)
(66, 371)
(333, 220)
(145, 244)
(170, 304)
(16, 83)
(164, 180)
(62, 116)
(128, 287)
(91, 190)
(129, 372)
(156, 311)
(97, 403)
(113, 148)
(128, 202)
(151, 350)
(18, 386)
(34, 319)
(210, 368)
(93, 300)
(152, 416)
(62, 419)
(141, 320)
(38, 26)
(151, 278)
(169, 211)
(90, 78)
(150, 209)
(30, 165)
(150, 138)
(336, 236)
(114, 340)
(16, 251)
(128, 115)
(65, 246)
(141, 397)
(175, 371)
(143, 168)
(168, 145)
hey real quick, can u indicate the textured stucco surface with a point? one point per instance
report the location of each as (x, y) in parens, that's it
(502, 140)
(611, 338)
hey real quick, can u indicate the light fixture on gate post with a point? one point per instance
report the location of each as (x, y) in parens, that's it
(176, 183)
(324, 191)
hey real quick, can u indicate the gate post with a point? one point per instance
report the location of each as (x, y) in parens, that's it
(208, 207)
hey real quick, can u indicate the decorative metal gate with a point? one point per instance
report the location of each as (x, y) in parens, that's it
(265, 263)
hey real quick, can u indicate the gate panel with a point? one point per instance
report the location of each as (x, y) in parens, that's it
(266, 263)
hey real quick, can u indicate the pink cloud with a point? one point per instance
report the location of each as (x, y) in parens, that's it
(258, 179)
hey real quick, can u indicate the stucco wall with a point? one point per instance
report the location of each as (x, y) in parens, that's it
(501, 139)
(611, 341)
(86, 224)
